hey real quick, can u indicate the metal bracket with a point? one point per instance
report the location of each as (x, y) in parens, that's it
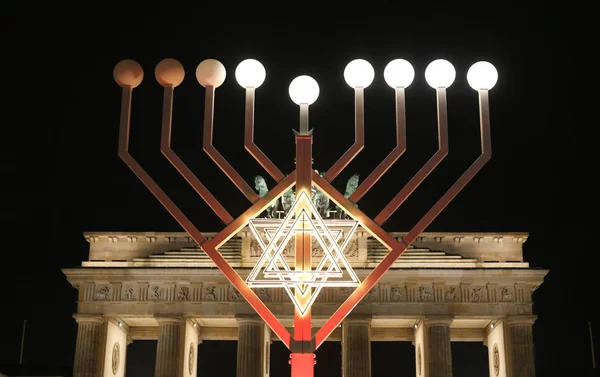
(303, 346)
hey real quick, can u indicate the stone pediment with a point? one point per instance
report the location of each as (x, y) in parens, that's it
(430, 250)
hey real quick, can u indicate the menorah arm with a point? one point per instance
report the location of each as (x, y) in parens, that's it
(252, 148)
(211, 246)
(162, 197)
(256, 209)
(165, 148)
(397, 248)
(218, 159)
(359, 137)
(461, 182)
(429, 166)
(393, 156)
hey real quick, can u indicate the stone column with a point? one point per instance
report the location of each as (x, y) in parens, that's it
(253, 347)
(520, 346)
(433, 352)
(87, 348)
(356, 347)
(169, 350)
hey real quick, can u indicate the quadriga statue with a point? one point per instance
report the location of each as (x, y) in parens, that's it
(261, 187)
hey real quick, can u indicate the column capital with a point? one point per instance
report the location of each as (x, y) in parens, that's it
(520, 319)
(88, 318)
(358, 318)
(433, 321)
(162, 318)
(248, 318)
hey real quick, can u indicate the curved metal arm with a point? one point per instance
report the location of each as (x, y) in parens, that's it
(210, 249)
(359, 137)
(429, 166)
(162, 197)
(254, 150)
(165, 148)
(211, 246)
(461, 182)
(391, 158)
(397, 248)
(233, 175)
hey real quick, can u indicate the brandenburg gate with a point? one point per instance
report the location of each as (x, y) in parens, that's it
(304, 265)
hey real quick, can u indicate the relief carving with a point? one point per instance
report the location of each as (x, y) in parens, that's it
(129, 293)
(451, 294)
(345, 292)
(351, 250)
(191, 358)
(506, 294)
(263, 294)
(373, 294)
(157, 293)
(316, 250)
(254, 248)
(235, 295)
(476, 294)
(425, 294)
(103, 293)
(496, 360)
(116, 355)
(209, 293)
(184, 294)
(398, 294)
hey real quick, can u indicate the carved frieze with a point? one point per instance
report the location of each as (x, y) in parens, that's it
(234, 294)
(263, 294)
(102, 292)
(451, 293)
(425, 293)
(351, 251)
(478, 294)
(183, 293)
(507, 294)
(209, 293)
(157, 293)
(128, 293)
(398, 293)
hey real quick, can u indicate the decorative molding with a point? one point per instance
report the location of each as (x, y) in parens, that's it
(116, 358)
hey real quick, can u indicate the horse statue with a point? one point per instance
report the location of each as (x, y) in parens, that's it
(351, 186)
(287, 201)
(261, 187)
(320, 200)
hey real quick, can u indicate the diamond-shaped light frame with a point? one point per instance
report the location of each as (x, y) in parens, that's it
(271, 270)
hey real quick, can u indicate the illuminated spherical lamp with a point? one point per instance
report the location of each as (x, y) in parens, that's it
(440, 73)
(304, 90)
(482, 75)
(399, 73)
(169, 72)
(250, 73)
(211, 72)
(359, 73)
(128, 73)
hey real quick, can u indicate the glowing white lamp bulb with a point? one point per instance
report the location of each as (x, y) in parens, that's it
(304, 89)
(440, 73)
(250, 73)
(482, 75)
(399, 73)
(359, 73)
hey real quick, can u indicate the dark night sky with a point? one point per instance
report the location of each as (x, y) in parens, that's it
(61, 174)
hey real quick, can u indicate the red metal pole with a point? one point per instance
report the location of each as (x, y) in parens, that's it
(302, 356)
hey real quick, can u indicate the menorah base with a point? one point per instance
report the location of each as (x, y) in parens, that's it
(303, 364)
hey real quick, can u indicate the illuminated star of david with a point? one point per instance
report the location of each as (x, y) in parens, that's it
(272, 270)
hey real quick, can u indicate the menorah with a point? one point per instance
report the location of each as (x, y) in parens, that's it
(303, 222)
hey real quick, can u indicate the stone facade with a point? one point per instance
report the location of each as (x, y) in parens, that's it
(445, 287)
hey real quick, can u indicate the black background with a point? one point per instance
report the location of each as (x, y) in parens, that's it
(61, 174)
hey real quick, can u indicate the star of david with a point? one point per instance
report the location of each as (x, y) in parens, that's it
(272, 269)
